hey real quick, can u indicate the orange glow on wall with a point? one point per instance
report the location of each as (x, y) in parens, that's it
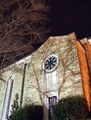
(84, 73)
(88, 52)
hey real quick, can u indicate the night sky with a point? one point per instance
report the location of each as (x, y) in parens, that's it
(71, 16)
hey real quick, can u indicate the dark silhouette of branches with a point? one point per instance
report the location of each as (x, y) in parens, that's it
(24, 26)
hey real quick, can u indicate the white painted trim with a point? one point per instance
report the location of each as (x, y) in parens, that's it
(7, 99)
(50, 89)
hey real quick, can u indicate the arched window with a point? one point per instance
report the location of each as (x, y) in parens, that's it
(7, 99)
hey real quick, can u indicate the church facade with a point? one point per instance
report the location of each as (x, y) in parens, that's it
(59, 68)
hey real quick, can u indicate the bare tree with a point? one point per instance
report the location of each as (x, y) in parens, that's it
(24, 26)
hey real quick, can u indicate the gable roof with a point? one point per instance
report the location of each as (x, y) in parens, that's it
(19, 51)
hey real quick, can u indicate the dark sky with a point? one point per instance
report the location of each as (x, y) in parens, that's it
(71, 15)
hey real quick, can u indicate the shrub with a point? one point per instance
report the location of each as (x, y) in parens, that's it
(71, 108)
(15, 106)
(29, 112)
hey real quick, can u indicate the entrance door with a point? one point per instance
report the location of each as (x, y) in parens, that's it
(52, 103)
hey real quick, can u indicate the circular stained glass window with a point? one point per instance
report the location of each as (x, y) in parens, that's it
(50, 63)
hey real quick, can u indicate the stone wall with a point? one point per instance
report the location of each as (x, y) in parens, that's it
(68, 71)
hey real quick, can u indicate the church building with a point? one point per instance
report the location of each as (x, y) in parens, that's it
(61, 67)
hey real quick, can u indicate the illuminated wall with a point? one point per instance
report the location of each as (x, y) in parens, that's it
(65, 80)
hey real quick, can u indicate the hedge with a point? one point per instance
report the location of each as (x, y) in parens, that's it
(28, 112)
(71, 108)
